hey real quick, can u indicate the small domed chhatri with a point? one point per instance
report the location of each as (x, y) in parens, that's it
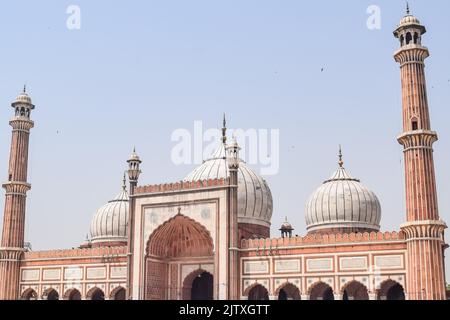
(342, 204)
(409, 18)
(23, 98)
(109, 224)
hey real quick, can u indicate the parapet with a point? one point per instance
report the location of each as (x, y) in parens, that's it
(182, 185)
(319, 239)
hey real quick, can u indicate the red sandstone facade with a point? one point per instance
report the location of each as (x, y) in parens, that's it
(185, 240)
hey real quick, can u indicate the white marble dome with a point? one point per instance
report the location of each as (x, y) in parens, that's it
(409, 19)
(254, 196)
(109, 223)
(342, 204)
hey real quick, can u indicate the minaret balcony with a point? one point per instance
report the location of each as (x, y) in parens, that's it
(418, 139)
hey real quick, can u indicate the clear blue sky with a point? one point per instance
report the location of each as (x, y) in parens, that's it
(138, 70)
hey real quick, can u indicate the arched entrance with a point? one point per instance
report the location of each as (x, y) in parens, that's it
(50, 294)
(118, 293)
(258, 292)
(391, 290)
(95, 294)
(29, 294)
(199, 285)
(178, 238)
(355, 290)
(288, 291)
(72, 294)
(321, 291)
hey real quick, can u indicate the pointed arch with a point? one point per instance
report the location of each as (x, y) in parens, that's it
(29, 294)
(50, 294)
(180, 236)
(72, 294)
(119, 293)
(320, 291)
(189, 280)
(390, 290)
(95, 293)
(355, 290)
(257, 292)
(289, 291)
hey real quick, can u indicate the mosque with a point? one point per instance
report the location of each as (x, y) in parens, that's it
(208, 235)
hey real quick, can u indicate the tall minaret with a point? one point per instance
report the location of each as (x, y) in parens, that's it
(423, 228)
(232, 154)
(12, 245)
(134, 172)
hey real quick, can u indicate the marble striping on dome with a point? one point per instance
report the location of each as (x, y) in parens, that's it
(254, 196)
(109, 223)
(342, 203)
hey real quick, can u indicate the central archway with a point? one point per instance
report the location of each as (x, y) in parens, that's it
(178, 238)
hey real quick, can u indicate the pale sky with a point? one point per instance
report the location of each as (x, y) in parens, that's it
(137, 71)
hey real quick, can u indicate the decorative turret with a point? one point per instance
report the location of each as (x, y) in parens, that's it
(286, 229)
(134, 167)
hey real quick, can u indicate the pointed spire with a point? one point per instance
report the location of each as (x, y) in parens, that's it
(224, 129)
(124, 181)
(341, 162)
(407, 8)
(24, 88)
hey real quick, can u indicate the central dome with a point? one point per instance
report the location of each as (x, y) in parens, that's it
(254, 196)
(342, 204)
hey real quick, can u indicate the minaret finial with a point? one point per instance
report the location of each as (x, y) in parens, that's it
(341, 162)
(24, 88)
(124, 181)
(407, 8)
(224, 129)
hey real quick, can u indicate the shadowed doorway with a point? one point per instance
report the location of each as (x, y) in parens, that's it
(202, 287)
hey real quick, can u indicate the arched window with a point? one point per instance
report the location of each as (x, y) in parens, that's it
(414, 124)
(408, 38)
(416, 38)
(402, 40)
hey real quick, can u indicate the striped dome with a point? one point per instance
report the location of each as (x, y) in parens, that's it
(254, 196)
(343, 204)
(109, 223)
